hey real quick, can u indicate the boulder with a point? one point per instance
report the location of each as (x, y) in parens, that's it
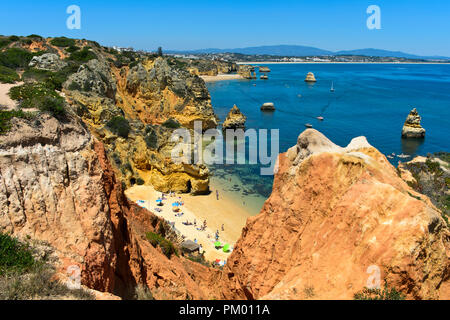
(412, 127)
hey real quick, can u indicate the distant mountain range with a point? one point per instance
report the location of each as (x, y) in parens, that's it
(299, 51)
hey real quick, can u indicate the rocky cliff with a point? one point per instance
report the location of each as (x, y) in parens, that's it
(235, 119)
(333, 213)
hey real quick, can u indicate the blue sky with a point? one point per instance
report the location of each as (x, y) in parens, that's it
(418, 27)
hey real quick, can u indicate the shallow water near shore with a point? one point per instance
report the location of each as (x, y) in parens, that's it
(370, 100)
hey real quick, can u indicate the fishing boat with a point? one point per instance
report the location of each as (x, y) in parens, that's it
(308, 125)
(320, 118)
(332, 86)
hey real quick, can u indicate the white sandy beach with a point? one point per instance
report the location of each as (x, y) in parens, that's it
(222, 77)
(216, 212)
(331, 62)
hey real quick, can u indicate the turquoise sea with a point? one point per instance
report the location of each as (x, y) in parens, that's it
(370, 100)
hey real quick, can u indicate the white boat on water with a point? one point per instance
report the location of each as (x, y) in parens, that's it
(320, 118)
(308, 125)
(332, 86)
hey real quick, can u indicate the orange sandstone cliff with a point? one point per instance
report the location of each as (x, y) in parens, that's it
(333, 213)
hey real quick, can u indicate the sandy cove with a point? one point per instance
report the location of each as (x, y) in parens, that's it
(216, 212)
(222, 77)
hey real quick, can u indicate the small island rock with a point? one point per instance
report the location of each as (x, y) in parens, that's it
(235, 119)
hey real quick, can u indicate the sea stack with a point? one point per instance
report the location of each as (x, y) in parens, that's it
(235, 119)
(264, 69)
(412, 127)
(310, 77)
(268, 106)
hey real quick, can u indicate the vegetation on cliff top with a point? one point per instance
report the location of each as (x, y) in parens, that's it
(166, 246)
(7, 115)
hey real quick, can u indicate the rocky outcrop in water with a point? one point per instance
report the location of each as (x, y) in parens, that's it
(268, 106)
(412, 127)
(235, 119)
(310, 77)
(335, 215)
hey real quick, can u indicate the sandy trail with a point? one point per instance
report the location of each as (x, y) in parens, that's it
(199, 208)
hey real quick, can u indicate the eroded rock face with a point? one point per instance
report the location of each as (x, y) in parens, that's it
(57, 186)
(235, 119)
(333, 213)
(47, 61)
(412, 127)
(154, 92)
(146, 96)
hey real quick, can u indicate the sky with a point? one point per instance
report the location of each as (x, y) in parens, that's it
(414, 26)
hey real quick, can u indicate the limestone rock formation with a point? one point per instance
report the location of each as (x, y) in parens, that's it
(235, 119)
(333, 213)
(201, 67)
(268, 106)
(47, 61)
(310, 77)
(264, 69)
(247, 71)
(412, 127)
(57, 186)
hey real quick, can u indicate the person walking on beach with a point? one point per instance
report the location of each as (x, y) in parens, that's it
(223, 229)
(217, 194)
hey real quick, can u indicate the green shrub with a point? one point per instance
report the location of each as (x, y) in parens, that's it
(15, 58)
(120, 126)
(82, 56)
(62, 42)
(14, 256)
(378, 294)
(166, 246)
(14, 38)
(35, 36)
(54, 106)
(8, 75)
(6, 116)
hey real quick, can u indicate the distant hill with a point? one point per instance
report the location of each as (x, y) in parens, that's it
(298, 51)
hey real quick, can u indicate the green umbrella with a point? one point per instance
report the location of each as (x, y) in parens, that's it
(226, 248)
(217, 244)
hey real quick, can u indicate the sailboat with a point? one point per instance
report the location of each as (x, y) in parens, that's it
(332, 86)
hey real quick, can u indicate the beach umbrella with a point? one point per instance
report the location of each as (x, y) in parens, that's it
(217, 244)
(226, 248)
(158, 200)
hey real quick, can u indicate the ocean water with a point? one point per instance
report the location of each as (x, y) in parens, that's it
(370, 100)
